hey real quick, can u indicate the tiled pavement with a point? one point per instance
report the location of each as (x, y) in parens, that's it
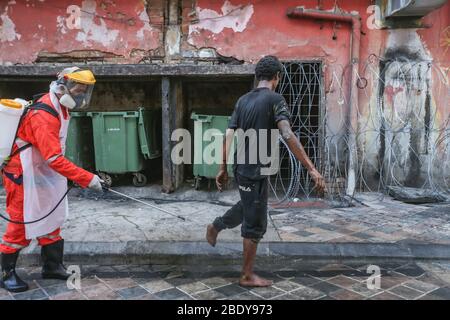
(374, 219)
(295, 280)
(379, 220)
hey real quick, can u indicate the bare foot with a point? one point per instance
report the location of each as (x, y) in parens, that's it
(211, 235)
(254, 281)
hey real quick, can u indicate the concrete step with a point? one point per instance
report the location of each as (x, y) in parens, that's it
(193, 252)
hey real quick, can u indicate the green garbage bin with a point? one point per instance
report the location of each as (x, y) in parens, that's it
(123, 140)
(202, 124)
(79, 144)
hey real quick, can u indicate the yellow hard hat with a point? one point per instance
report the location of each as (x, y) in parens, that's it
(82, 76)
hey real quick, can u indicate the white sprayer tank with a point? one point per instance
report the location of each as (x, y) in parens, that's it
(10, 113)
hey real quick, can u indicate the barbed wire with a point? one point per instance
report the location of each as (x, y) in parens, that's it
(403, 139)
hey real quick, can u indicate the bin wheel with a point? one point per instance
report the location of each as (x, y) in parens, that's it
(139, 180)
(106, 177)
(197, 183)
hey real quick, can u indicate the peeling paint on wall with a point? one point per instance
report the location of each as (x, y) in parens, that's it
(91, 31)
(7, 29)
(232, 17)
(146, 29)
(121, 30)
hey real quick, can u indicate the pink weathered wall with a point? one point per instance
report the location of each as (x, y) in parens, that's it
(248, 30)
(133, 31)
(124, 31)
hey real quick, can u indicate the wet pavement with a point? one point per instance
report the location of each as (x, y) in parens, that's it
(373, 219)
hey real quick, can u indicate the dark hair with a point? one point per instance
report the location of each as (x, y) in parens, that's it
(267, 68)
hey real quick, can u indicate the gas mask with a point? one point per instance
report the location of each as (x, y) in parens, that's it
(74, 86)
(77, 96)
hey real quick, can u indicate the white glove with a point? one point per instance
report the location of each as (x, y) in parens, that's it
(96, 183)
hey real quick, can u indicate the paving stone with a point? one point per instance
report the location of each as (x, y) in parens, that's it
(420, 286)
(246, 296)
(194, 287)
(267, 292)
(163, 267)
(335, 267)
(35, 294)
(385, 296)
(3, 293)
(215, 282)
(120, 283)
(287, 285)
(57, 289)
(443, 293)
(343, 281)
(323, 237)
(209, 295)
(286, 296)
(326, 298)
(87, 282)
(362, 289)
(71, 295)
(306, 280)
(179, 281)
(100, 292)
(431, 297)
(327, 226)
(157, 285)
(410, 270)
(172, 294)
(133, 292)
(147, 296)
(406, 293)
(433, 279)
(303, 233)
(288, 274)
(325, 287)
(48, 282)
(385, 265)
(307, 293)
(344, 294)
(347, 239)
(231, 290)
(327, 274)
(362, 235)
(355, 228)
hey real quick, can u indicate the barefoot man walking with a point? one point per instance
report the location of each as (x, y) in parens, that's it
(260, 109)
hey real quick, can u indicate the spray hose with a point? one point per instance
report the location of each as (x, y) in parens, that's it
(40, 219)
(105, 188)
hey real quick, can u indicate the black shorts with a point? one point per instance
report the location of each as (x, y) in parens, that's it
(251, 211)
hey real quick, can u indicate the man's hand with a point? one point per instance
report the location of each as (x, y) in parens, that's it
(319, 181)
(221, 179)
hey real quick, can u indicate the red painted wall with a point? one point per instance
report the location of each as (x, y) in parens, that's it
(120, 29)
(129, 31)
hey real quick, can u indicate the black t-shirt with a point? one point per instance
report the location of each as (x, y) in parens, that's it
(261, 108)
